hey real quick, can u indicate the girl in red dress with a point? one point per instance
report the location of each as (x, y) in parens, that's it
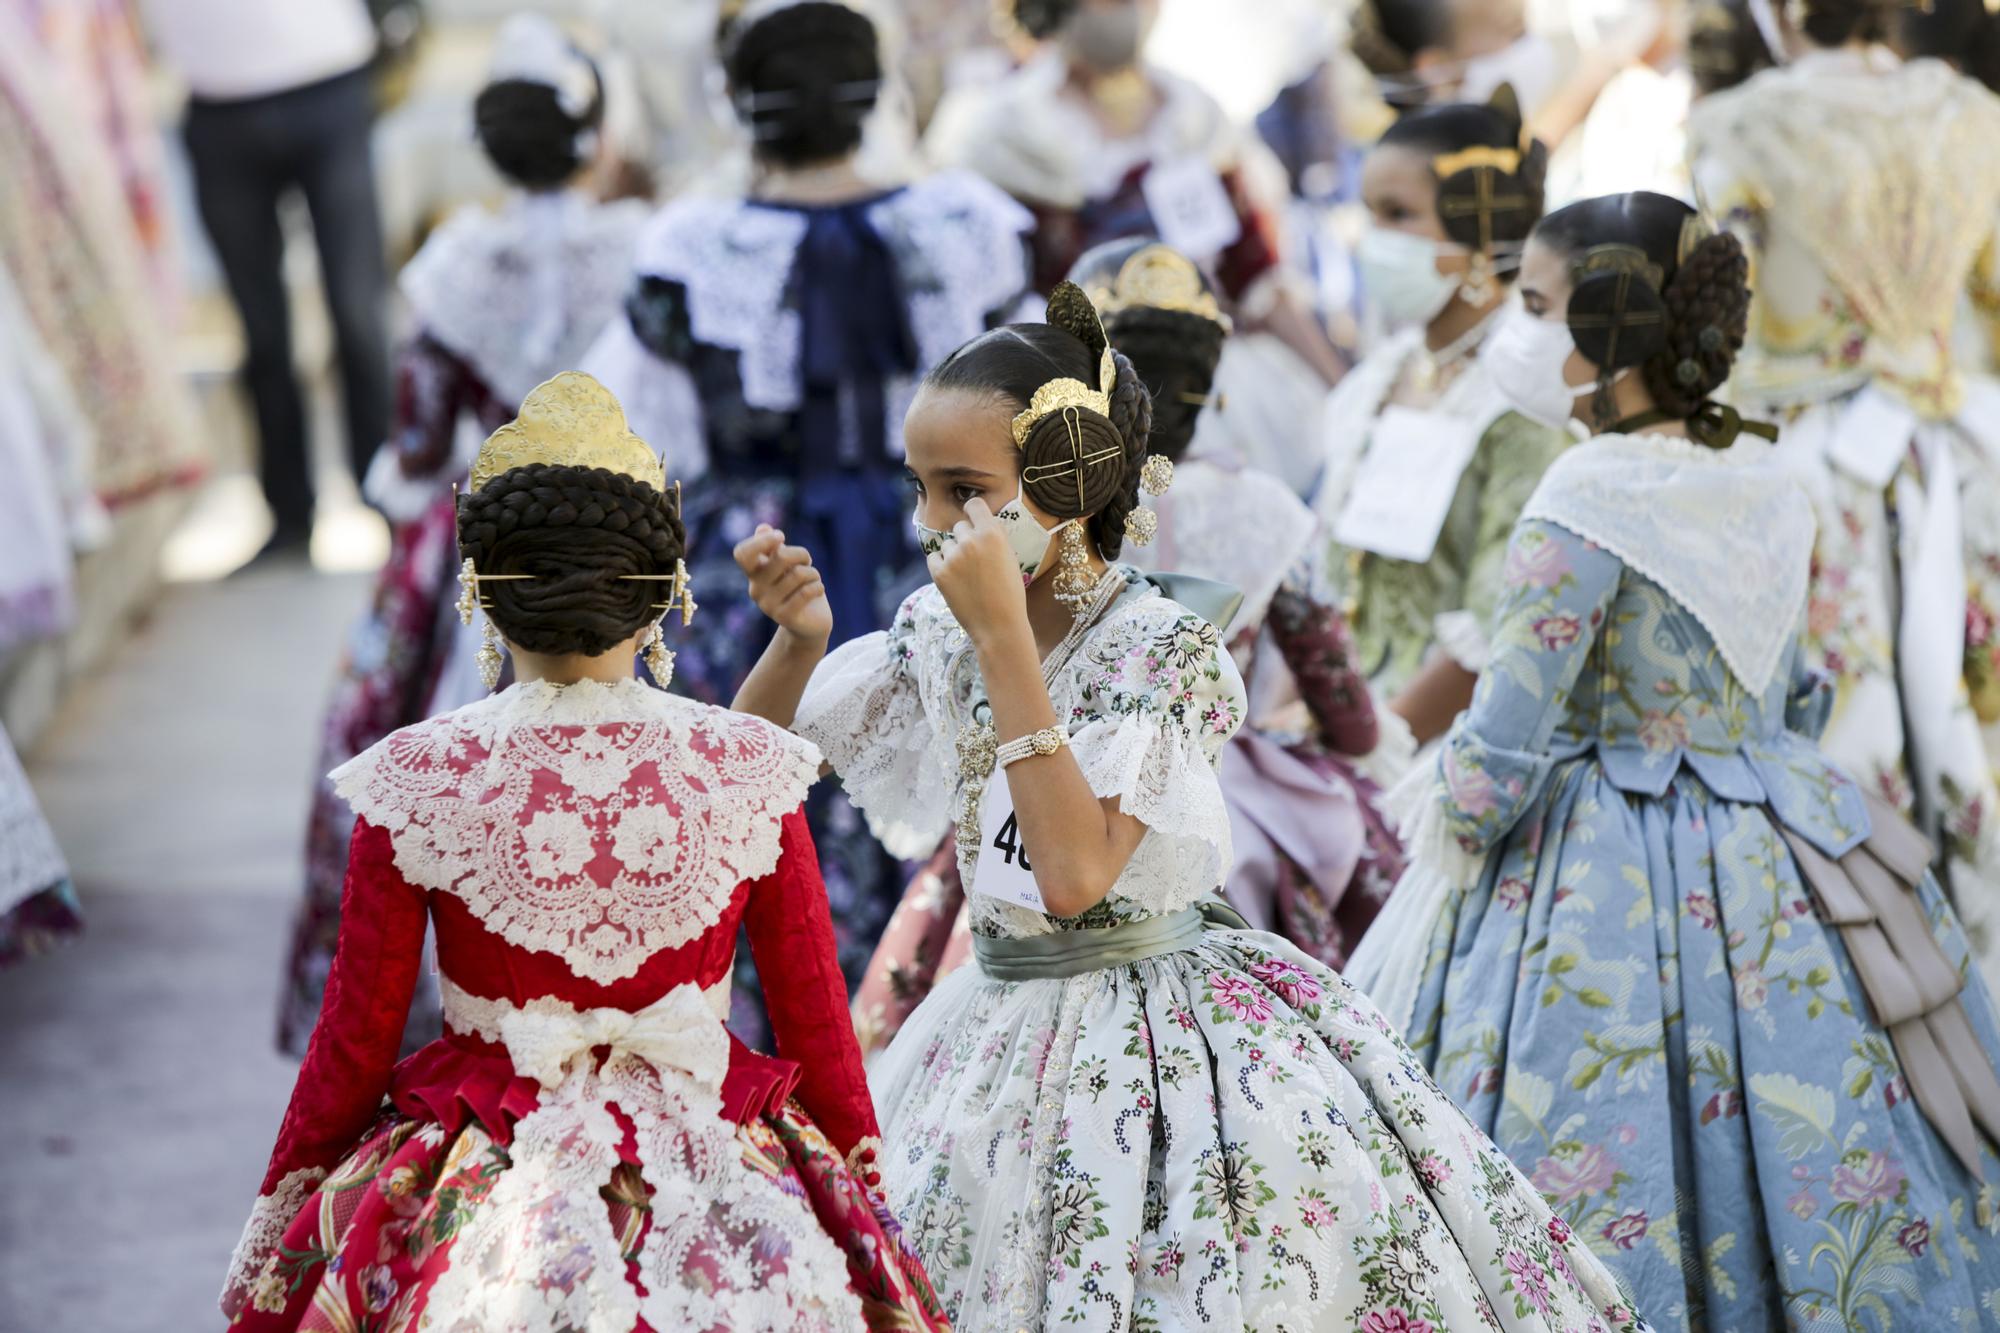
(586, 1148)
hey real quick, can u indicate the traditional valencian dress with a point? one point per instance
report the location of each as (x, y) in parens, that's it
(1426, 581)
(1867, 193)
(586, 1148)
(772, 350)
(1121, 1120)
(502, 300)
(1680, 966)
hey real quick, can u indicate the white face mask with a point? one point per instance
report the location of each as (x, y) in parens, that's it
(1525, 356)
(1029, 540)
(1528, 63)
(1399, 274)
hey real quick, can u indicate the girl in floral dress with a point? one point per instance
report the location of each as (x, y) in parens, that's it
(1866, 191)
(1415, 553)
(502, 299)
(1117, 1118)
(1683, 968)
(585, 1148)
(1315, 855)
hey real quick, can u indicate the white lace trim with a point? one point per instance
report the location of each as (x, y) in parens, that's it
(521, 293)
(477, 1016)
(958, 244)
(706, 1261)
(510, 802)
(270, 1215)
(1243, 527)
(1727, 533)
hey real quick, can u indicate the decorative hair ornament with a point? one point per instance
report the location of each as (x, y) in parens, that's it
(1159, 277)
(569, 421)
(1616, 312)
(532, 49)
(1483, 182)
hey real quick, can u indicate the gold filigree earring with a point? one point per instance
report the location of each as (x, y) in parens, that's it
(659, 657)
(488, 656)
(1073, 584)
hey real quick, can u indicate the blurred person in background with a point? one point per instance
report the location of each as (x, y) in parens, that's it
(1425, 465)
(280, 100)
(38, 906)
(1866, 191)
(1430, 51)
(502, 299)
(770, 345)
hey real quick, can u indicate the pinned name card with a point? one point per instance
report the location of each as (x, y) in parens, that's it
(1191, 208)
(1873, 436)
(1004, 871)
(1403, 487)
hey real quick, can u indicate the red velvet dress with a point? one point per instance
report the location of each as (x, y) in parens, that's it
(586, 1147)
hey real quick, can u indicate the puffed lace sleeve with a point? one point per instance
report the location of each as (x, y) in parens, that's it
(863, 710)
(1157, 699)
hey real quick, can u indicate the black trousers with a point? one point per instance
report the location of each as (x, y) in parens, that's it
(247, 155)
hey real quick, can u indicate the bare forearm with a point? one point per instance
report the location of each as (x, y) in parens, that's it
(775, 685)
(1435, 697)
(1078, 846)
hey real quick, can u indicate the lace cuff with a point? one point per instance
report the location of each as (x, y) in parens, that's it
(1162, 776)
(253, 1275)
(864, 714)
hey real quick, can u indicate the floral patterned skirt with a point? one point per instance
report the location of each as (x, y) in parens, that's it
(1640, 1004)
(371, 1244)
(1228, 1137)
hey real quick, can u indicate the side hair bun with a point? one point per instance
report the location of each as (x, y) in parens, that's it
(1707, 303)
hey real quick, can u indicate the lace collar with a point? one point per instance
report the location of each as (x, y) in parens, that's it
(602, 823)
(521, 293)
(1726, 532)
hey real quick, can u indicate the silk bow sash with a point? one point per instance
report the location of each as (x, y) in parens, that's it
(677, 1032)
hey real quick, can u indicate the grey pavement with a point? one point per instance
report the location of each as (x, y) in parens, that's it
(139, 1088)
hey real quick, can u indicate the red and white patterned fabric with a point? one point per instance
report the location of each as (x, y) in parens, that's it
(586, 1148)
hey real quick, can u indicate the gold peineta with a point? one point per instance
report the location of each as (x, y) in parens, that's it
(1159, 277)
(1504, 160)
(569, 421)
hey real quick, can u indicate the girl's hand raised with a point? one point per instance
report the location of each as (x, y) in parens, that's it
(785, 585)
(980, 578)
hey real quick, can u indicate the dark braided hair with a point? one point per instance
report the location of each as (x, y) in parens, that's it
(1435, 131)
(1705, 291)
(576, 530)
(1837, 22)
(1173, 351)
(1013, 361)
(527, 134)
(805, 78)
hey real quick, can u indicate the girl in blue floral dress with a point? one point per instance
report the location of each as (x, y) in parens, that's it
(1689, 974)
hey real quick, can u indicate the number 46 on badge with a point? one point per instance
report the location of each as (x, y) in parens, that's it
(1004, 871)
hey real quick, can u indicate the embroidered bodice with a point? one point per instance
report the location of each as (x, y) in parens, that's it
(750, 320)
(1397, 610)
(587, 854)
(1866, 192)
(1149, 697)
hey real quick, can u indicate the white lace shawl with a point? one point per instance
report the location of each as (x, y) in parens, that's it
(521, 293)
(1727, 533)
(958, 244)
(1238, 525)
(506, 802)
(1150, 698)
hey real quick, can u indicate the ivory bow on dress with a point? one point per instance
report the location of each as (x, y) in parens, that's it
(677, 1032)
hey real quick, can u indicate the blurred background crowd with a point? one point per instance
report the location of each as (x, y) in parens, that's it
(204, 207)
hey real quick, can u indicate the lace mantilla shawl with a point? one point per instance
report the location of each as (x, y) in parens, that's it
(1238, 525)
(1887, 175)
(522, 293)
(1149, 699)
(600, 823)
(1727, 533)
(958, 244)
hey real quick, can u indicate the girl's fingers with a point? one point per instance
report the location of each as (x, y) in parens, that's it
(790, 582)
(935, 563)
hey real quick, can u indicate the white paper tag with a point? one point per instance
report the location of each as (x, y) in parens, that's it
(1004, 870)
(1403, 487)
(1191, 208)
(1872, 436)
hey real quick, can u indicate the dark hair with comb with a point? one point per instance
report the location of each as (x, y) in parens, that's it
(805, 78)
(1482, 205)
(1013, 361)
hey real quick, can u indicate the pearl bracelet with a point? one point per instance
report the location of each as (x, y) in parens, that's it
(1046, 741)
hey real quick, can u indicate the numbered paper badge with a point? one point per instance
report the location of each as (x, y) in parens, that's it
(1404, 485)
(1191, 207)
(1004, 870)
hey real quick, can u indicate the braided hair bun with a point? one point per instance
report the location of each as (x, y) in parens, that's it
(1491, 174)
(1075, 462)
(576, 530)
(1708, 315)
(1159, 315)
(805, 77)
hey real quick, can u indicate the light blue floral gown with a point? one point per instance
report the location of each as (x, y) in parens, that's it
(1637, 996)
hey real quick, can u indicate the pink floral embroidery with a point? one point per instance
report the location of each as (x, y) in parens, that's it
(1239, 997)
(1662, 732)
(1627, 1231)
(1292, 983)
(1558, 631)
(1540, 564)
(1529, 1280)
(1394, 1321)
(1864, 1177)
(1472, 791)
(1701, 907)
(1915, 1237)
(1567, 1179)
(1511, 893)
